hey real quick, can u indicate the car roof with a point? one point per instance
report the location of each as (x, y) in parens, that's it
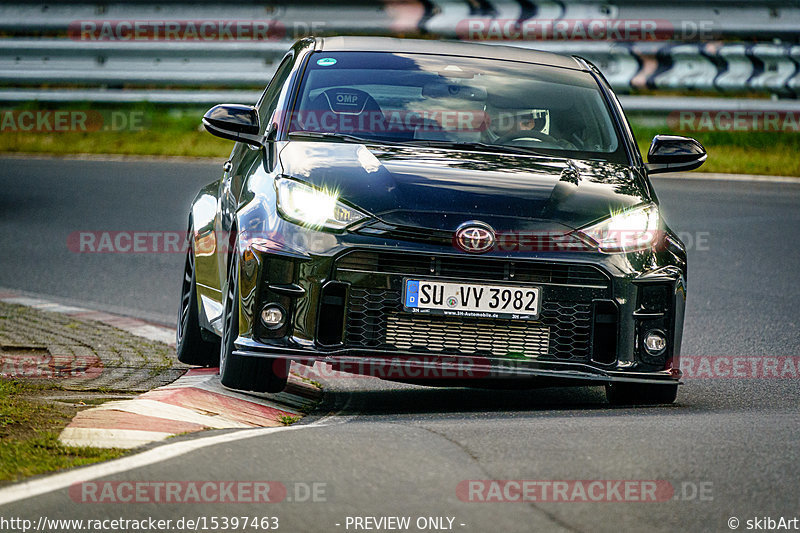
(451, 48)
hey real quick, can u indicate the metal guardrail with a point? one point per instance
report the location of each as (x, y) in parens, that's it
(121, 70)
(640, 104)
(714, 66)
(758, 19)
(62, 61)
(762, 19)
(117, 96)
(724, 67)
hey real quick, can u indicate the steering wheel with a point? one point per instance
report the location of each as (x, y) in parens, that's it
(527, 135)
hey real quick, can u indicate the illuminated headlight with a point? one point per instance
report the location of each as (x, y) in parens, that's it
(314, 207)
(628, 231)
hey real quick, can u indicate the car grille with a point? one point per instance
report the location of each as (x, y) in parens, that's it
(461, 267)
(375, 316)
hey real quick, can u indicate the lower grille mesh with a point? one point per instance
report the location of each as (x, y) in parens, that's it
(407, 332)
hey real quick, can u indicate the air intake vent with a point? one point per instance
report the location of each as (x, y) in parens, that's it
(330, 321)
(604, 332)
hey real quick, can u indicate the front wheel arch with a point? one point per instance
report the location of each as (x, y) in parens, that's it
(256, 374)
(193, 345)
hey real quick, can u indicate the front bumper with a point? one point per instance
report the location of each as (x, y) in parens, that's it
(344, 309)
(419, 368)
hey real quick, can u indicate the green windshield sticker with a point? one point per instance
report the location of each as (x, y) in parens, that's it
(326, 61)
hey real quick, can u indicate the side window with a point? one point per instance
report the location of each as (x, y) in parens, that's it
(269, 100)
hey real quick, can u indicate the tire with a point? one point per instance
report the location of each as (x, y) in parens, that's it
(640, 394)
(255, 374)
(192, 348)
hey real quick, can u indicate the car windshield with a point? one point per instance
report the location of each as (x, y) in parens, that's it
(450, 101)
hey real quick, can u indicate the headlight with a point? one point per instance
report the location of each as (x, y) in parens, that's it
(313, 207)
(628, 231)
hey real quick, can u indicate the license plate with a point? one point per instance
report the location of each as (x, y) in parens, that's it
(471, 300)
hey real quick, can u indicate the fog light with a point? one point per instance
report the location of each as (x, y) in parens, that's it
(655, 342)
(272, 316)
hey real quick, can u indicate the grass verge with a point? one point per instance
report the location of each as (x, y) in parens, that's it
(754, 152)
(148, 129)
(29, 431)
(131, 129)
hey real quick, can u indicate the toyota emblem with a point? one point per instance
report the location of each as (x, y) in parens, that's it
(475, 237)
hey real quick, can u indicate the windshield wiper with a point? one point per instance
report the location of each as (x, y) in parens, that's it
(479, 145)
(486, 147)
(338, 136)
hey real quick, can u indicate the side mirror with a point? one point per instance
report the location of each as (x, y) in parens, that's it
(235, 122)
(670, 153)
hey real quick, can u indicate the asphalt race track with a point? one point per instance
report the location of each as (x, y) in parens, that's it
(729, 447)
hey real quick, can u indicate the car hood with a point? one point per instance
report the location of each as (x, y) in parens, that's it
(441, 189)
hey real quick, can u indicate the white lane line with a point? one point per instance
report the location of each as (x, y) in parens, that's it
(712, 176)
(58, 308)
(72, 305)
(136, 326)
(24, 300)
(110, 438)
(37, 487)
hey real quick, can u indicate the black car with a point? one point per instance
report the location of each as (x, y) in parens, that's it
(445, 213)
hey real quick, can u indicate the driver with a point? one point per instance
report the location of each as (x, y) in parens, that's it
(531, 121)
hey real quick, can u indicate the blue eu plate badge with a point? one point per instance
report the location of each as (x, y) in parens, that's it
(412, 293)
